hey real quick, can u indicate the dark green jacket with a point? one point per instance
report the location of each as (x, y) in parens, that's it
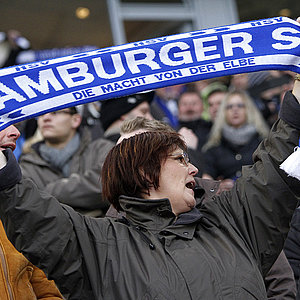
(221, 250)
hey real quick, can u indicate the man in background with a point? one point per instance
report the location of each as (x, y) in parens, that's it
(66, 163)
(190, 109)
(214, 98)
(192, 126)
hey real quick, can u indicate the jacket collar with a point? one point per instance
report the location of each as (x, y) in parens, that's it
(190, 217)
(154, 214)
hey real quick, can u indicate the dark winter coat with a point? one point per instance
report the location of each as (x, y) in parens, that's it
(220, 250)
(279, 281)
(226, 160)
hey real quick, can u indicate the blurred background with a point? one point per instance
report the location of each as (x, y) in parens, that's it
(80, 25)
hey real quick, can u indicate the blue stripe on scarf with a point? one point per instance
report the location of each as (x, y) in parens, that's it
(33, 89)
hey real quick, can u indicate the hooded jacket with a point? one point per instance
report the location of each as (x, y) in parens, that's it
(220, 250)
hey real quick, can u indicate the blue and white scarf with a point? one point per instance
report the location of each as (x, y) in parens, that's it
(33, 89)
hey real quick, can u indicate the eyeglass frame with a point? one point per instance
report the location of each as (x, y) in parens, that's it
(184, 156)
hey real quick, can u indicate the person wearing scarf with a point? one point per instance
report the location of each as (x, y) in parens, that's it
(236, 133)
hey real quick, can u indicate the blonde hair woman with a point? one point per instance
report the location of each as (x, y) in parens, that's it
(237, 131)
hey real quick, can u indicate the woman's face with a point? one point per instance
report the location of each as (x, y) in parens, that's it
(235, 111)
(176, 182)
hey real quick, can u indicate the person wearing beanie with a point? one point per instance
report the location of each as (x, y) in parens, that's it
(115, 111)
(212, 96)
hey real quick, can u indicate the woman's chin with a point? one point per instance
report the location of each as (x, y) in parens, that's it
(192, 204)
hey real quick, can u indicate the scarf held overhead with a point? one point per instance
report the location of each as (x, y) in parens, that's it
(30, 90)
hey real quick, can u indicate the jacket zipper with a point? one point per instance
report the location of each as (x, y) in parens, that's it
(5, 271)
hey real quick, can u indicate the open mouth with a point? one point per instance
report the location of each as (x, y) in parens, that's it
(190, 185)
(12, 147)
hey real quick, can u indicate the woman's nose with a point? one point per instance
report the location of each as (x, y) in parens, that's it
(13, 132)
(192, 169)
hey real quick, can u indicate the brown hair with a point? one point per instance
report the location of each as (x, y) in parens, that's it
(132, 167)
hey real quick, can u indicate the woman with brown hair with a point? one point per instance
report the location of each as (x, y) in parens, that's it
(142, 173)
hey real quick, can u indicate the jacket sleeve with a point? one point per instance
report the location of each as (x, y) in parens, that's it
(263, 200)
(41, 228)
(11, 174)
(84, 190)
(280, 282)
(43, 288)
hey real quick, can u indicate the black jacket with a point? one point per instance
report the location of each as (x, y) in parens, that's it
(226, 160)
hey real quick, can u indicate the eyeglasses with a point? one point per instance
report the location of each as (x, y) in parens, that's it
(238, 105)
(182, 157)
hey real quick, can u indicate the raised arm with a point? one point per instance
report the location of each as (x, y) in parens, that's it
(264, 199)
(40, 227)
